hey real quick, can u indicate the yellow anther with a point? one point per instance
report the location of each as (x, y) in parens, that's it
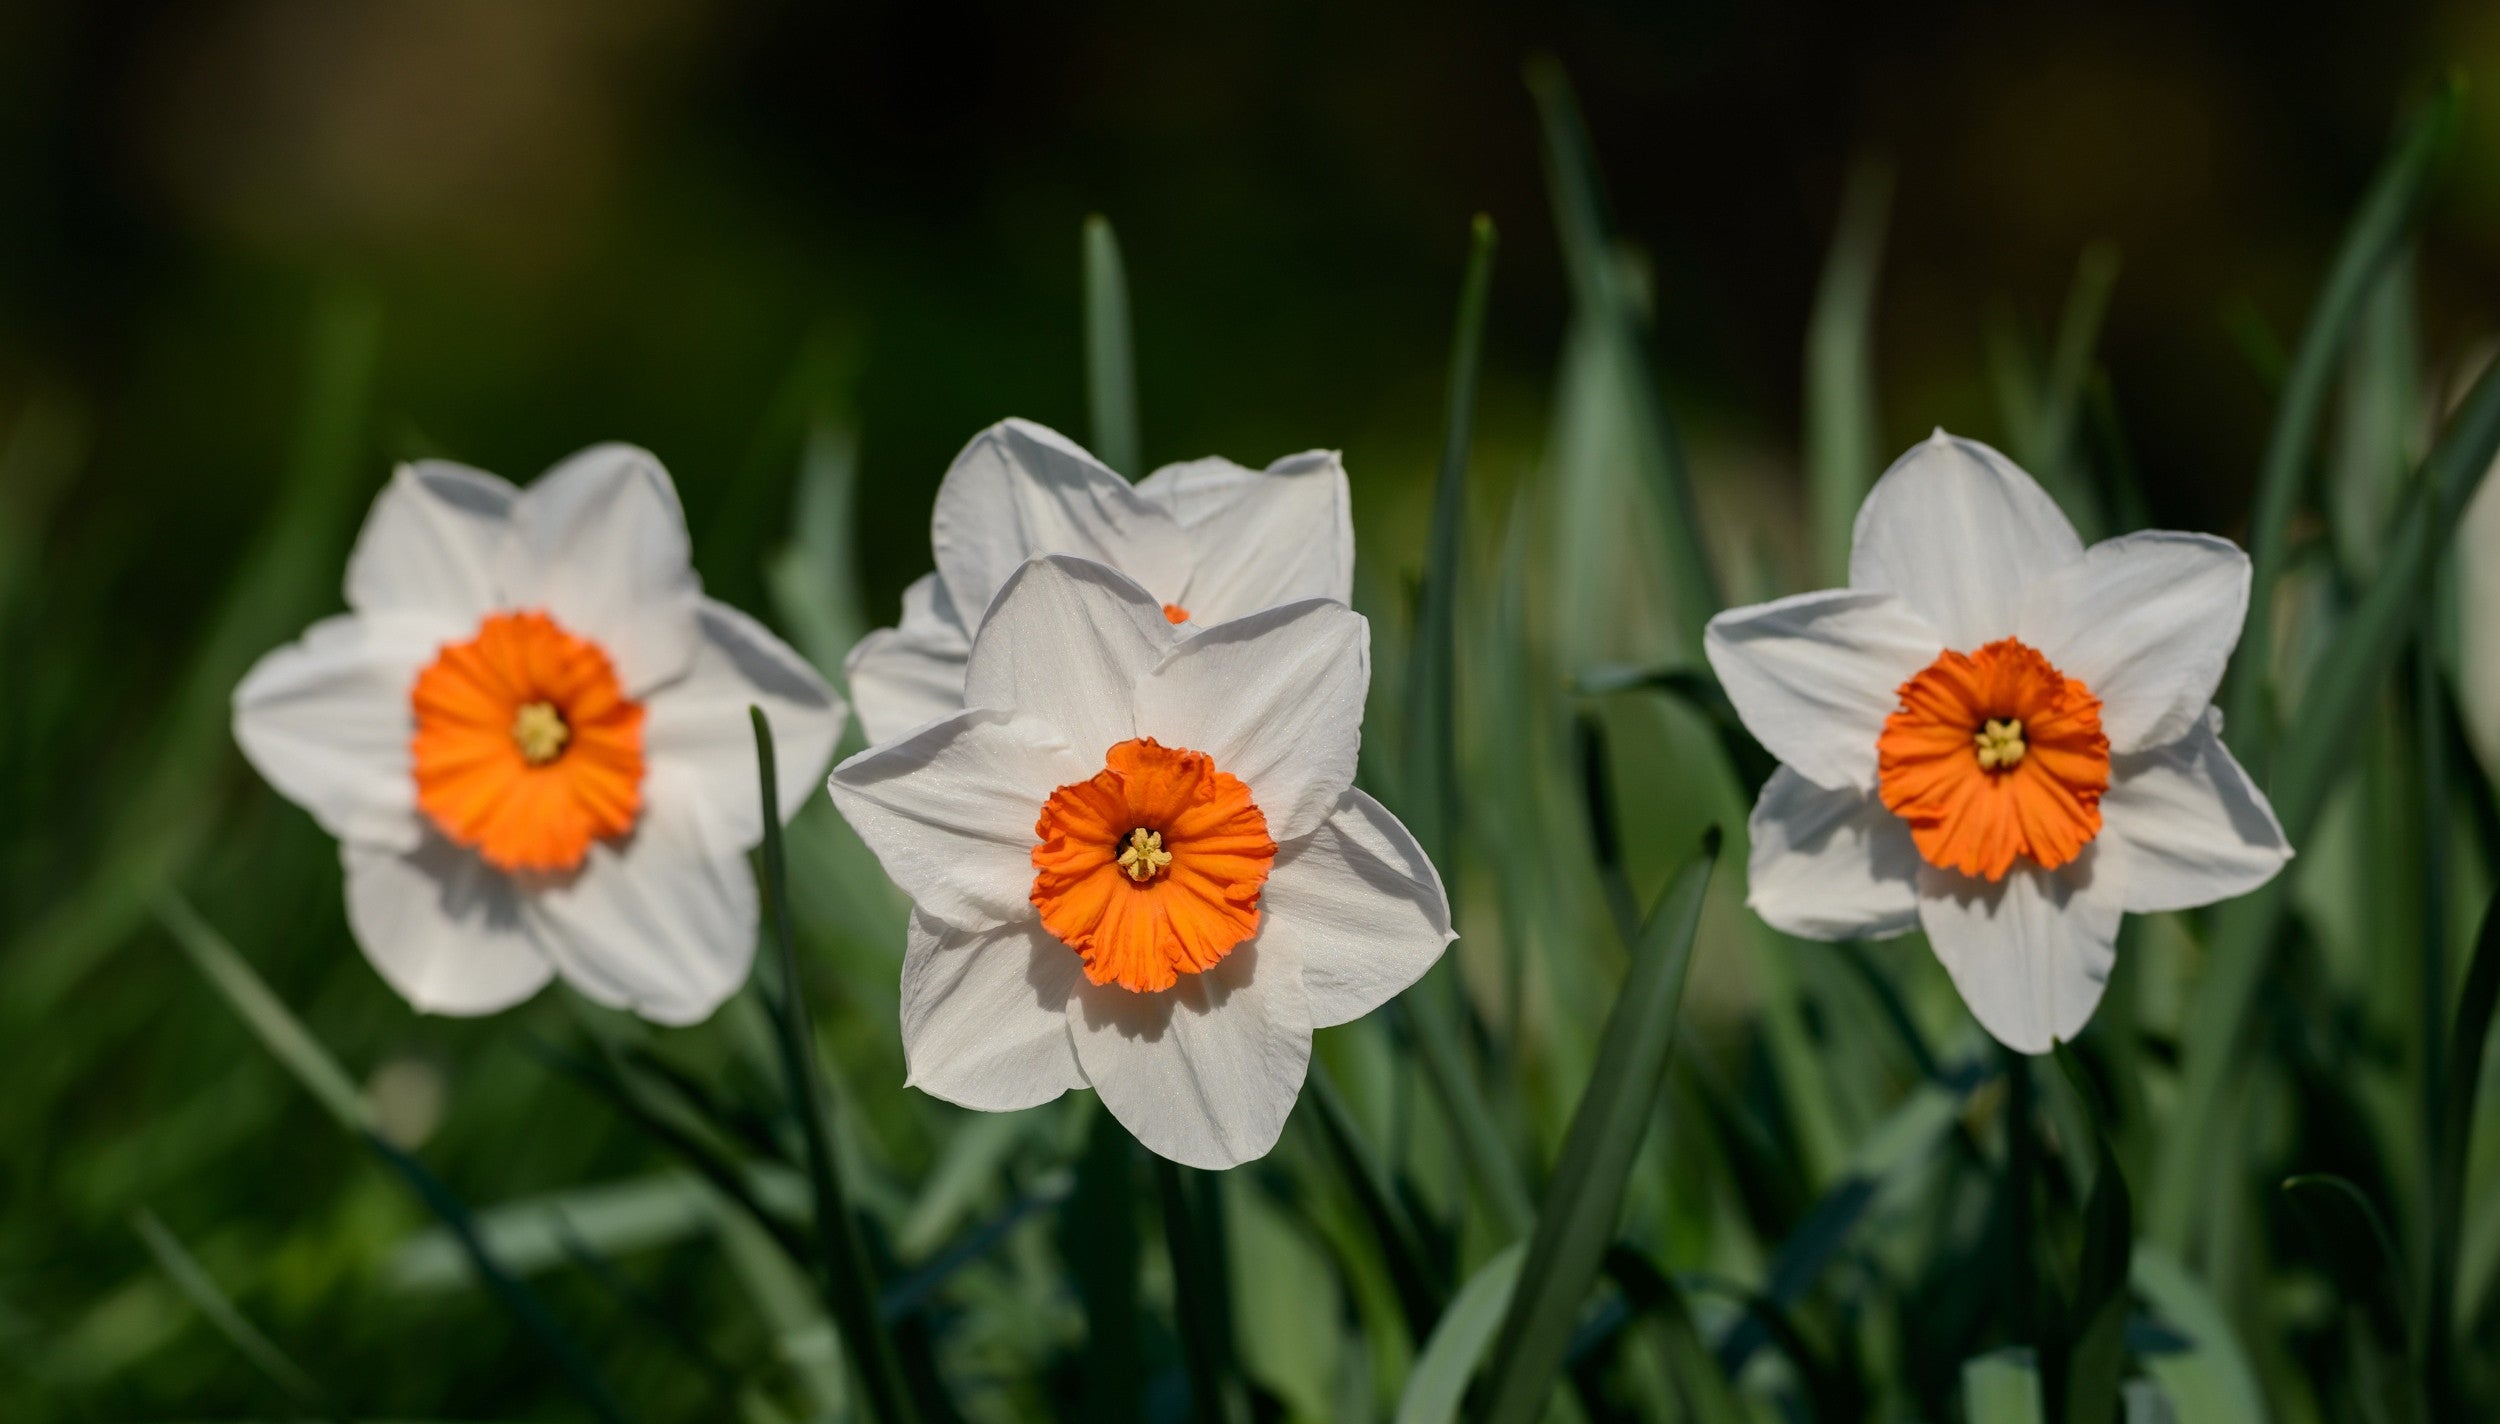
(1145, 857)
(2000, 744)
(540, 731)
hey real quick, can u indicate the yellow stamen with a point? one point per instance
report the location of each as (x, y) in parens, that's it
(540, 730)
(2000, 744)
(1145, 857)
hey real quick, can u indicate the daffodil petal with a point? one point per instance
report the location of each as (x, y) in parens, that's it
(599, 543)
(661, 922)
(1276, 699)
(327, 721)
(1206, 1072)
(1258, 538)
(2197, 830)
(2148, 622)
(950, 810)
(1830, 863)
(429, 547)
(1362, 908)
(443, 928)
(2030, 953)
(1065, 644)
(985, 1022)
(1960, 532)
(1019, 490)
(1815, 675)
(700, 722)
(906, 676)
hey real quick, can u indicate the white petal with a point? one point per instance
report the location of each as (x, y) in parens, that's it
(327, 720)
(1065, 643)
(950, 810)
(1362, 907)
(985, 1016)
(1815, 675)
(429, 546)
(1276, 699)
(2197, 830)
(661, 923)
(599, 543)
(700, 722)
(904, 677)
(1959, 531)
(443, 928)
(1830, 864)
(2148, 622)
(1205, 1072)
(1258, 538)
(2032, 952)
(1020, 490)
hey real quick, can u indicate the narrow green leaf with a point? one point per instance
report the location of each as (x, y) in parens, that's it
(1601, 299)
(1098, 1236)
(1431, 1011)
(218, 1309)
(1842, 432)
(2378, 1272)
(1198, 1274)
(2376, 235)
(1431, 785)
(1581, 1209)
(2092, 1351)
(792, 1311)
(1110, 365)
(1438, 1383)
(265, 1014)
(850, 1290)
(2468, 1042)
(2379, 414)
(2211, 1381)
(2002, 1387)
(2055, 453)
(2338, 698)
(1375, 1195)
(814, 579)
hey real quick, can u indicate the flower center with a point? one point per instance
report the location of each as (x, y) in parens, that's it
(526, 748)
(1151, 868)
(540, 730)
(1995, 756)
(1145, 858)
(2000, 744)
(1174, 613)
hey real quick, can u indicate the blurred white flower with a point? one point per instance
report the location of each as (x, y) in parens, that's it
(1998, 735)
(530, 736)
(2478, 622)
(1138, 861)
(1209, 539)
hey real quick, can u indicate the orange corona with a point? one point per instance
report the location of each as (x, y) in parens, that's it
(1993, 757)
(1152, 868)
(527, 749)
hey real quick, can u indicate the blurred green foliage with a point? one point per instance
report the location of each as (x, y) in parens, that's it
(251, 252)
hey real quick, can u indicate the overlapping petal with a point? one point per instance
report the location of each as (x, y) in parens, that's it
(2148, 622)
(1066, 644)
(1360, 907)
(1815, 675)
(701, 722)
(2196, 829)
(1830, 863)
(1019, 490)
(984, 1015)
(1206, 1072)
(1960, 533)
(599, 543)
(2030, 954)
(905, 676)
(1258, 538)
(1276, 699)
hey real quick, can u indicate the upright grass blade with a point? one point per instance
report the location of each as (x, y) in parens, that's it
(2337, 699)
(2003, 1387)
(1599, 295)
(1432, 1014)
(1430, 804)
(1099, 1239)
(2376, 235)
(1199, 1283)
(1841, 428)
(850, 1293)
(2335, 1205)
(814, 579)
(211, 1301)
(1579, 1217)
(1438, 1382)
(302, 1055)
(1411, 1271)
(2083, 1375)
(2467, 1044)
(275, 589)
(1110, 365)
(2211, 1379)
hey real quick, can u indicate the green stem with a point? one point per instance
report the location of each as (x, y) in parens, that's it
(1110, 360)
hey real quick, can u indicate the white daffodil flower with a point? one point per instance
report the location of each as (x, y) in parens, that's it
(1138, 862)
(1998, 735)
(1211, 540)
(530, 736)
